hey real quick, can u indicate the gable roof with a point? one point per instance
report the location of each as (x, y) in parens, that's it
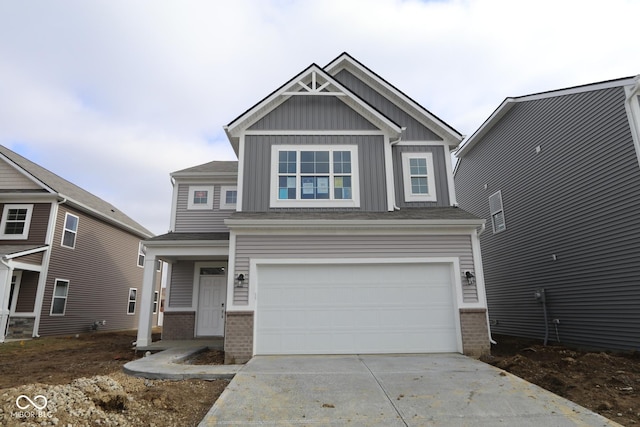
(510, 102)
(313, 80)
(215, 168)
(347, 62)
(72, 194)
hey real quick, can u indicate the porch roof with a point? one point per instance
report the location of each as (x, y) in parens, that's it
(174, 237)
(13, 251)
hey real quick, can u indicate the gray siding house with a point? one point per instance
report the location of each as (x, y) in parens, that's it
(335, 231)
(67, 258)
(557, 177)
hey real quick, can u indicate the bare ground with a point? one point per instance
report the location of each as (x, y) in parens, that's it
(83, 381)
(607, 383)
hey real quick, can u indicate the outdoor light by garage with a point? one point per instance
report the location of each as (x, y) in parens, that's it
(240, 280)
(471, 279)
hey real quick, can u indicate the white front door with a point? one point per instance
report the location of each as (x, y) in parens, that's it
(211, 299)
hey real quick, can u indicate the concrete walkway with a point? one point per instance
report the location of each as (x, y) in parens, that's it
(168, 364)
(388, 390)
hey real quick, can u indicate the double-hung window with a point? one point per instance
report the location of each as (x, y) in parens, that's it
(418, 176)
(131, 303)
(15, 223)
(141, 254)
(497, 212)
(314, 176)
(59, 300)
(70, 230)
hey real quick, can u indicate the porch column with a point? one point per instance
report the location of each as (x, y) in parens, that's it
(5, 289)
(146, 300)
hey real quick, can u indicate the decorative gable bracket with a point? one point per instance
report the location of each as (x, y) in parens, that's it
(317, 86)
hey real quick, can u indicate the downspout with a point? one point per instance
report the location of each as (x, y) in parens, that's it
(392, 143)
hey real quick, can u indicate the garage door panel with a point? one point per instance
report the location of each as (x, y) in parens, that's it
(367, 308)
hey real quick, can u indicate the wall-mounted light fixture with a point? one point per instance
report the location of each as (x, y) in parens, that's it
(471, 279)
(240, 280)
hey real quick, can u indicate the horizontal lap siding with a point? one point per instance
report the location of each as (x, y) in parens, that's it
(27, 294)
(439, 159)
(181, 286)
(330, 246)
(578, 199)
(100, 271)
(200, 220)
(11, 179)
(257, 177)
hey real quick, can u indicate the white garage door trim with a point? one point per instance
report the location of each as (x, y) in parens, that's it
(453, 263)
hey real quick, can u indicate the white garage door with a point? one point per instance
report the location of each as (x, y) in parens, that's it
(355, 308)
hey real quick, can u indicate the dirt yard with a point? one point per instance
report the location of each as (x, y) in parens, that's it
(604, 382)
(83, 382)
(84, 385)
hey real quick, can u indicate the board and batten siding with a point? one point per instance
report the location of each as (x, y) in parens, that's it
(38, 227)
(11, 179)
(181, 291)
(572, 219)
(351, 246)
(441, 182)
(100, 270)
(200, 220)
(257, 176)
(415, 131)
(313, 113)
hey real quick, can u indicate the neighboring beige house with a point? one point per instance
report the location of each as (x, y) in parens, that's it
(336, 232)
(69, 261)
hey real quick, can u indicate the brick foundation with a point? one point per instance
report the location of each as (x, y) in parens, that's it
(475, 334)
(178, 325)
(238, 337)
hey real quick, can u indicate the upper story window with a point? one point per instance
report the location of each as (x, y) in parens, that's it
(497, 212)
(141, 254)
(418, 176)
(70, 230)
(200, 197)
(314, 176)
(15, 223)
(228, 197)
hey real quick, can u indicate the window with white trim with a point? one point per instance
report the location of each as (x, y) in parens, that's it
(70, 230)
(141, 254)
(15, 223)
(314, 176)
(200, 197)
(497, 212)
(131, 304)
(418, 176)
(59, 300)
(228, 197)
(156, 296)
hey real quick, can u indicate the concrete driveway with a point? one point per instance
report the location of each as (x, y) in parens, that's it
(388, 390)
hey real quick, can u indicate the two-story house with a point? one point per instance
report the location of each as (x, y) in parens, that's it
(335, 232)
(69, 261)
(557, 177)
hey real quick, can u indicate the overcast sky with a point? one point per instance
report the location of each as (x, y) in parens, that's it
(113, 95)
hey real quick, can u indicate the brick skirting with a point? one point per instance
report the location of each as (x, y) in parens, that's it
(178, 325)
(238, 337)
(475, 334)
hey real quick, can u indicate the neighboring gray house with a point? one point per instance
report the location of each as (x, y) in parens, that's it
(335, 232)
(67, 258)
(557, 177)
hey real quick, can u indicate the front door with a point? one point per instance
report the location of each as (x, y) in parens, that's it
(211, 299)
